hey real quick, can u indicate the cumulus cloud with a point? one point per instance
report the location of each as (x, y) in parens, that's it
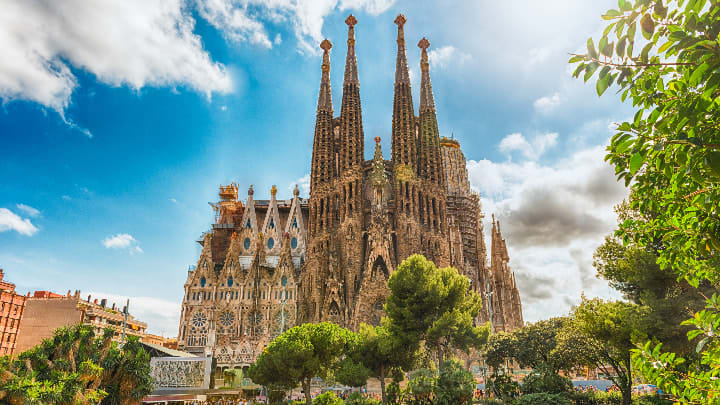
(303, 184)
(122, 241)
(447, 56)
(243, 20)
(30, 211)
(122, 42)
(161, 316)
(548, 103)
(9, 221)
(530, 149)
(553, 216)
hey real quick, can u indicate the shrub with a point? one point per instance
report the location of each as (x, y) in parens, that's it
(392, 393)
(546, 381)
(422, 384)
(543, 398)
(596, 398)
(502, 386)
(328, 398)
(455, 385)
(651, 400)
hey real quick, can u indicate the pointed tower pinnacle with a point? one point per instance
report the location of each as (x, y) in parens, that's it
(404, 142)
(427, 101)
(325, 97)
(351, 145)
(323, 158)
(402, 74)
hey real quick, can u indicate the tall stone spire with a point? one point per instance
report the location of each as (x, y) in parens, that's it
(323, 163)
(429, 159)
(351, 146)
(404, 144)
(325, 96)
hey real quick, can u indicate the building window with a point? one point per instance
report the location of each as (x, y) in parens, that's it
(202, 282)
(246, 243)
(230, 282)
(294, 224)
(248, 226)
(293, 243)
(272, 223)
(270, 243)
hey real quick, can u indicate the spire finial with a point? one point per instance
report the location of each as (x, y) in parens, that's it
(251, 191)
(424, 44)
(325, 98)
(273, 191)
(402, 74)
(427, 102)
(377, 140)
(296, 191)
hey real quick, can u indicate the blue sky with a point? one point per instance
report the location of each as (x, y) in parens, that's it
(120, 119)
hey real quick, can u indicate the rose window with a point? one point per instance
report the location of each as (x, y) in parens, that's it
(227, 319)
(199, 320)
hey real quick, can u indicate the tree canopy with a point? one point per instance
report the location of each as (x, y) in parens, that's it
(301, 353)
(669, 155)
(434, 305)
(75, 366)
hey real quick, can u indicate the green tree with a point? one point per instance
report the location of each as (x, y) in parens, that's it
(434, 305)
(421, 385)
(455, 385)
(500, 348)
(669, 154)
(633, 270)
(75, 366)
(301, 353)
(381, 351)
(602, 335)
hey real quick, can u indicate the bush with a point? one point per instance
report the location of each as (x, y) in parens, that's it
(543, 398)
(596, 398)
(355, 398)
(651, 400)
(455, 385)
(502, 386)
(392, 392)
(328, 398)
(422, 384)
(547, 382)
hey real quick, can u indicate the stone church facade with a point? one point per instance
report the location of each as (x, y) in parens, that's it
(267, 265)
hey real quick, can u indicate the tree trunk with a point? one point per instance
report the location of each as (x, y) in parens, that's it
(382, 384)
(441, 357)
(306, 388)
(627, 394)
(627, 391)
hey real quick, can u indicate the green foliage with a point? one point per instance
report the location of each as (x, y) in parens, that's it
(355, 398)
(542, 399)
(634, 271)
(455, 385)
(669, 154)
(603, 334)
(532, 346)
(351, 373)
(301, 353)
(503, 386)
(434, 305)
(328, 398)
(545, 381)
(421, 384)
(75, 366)
(392, 393)
(597, 398)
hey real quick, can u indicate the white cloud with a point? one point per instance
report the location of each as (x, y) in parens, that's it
(242, 20)
(122, 241)
(547, 103)
(122, 42)
(30, 211)
(447, 56)
(161, 316)
(553, 217)
(303, 184)
(531, 150)
(174, 201)
(66, 198)
(9, 221)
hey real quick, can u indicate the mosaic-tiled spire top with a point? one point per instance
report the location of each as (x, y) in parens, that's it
(351, 72)
(402, 74)
(351, 148)
(404, 142)
(427, 102)
(325, 97)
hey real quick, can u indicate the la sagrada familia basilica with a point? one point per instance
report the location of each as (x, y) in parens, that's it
(267, 265)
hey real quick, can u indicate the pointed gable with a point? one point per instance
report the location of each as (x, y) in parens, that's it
(295, 227)
(250, 229)
(272, 228)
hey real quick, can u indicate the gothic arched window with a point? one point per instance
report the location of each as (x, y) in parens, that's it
(246, 243)
(230, 282)
(202, 282)
(270, 243)
(248, 226)
(293, 243)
